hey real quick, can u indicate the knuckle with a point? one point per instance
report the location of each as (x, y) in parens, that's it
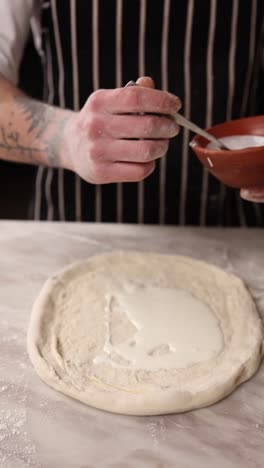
(94, 126)
(95, 99)
(97, 153)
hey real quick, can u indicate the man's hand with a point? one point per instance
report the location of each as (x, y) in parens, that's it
(110, 140)
(253, 194)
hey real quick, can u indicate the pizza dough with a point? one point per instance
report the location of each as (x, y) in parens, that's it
(145, 334)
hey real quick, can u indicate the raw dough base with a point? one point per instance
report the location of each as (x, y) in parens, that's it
(67, 332)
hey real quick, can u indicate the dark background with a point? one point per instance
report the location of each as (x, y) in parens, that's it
(17, 180)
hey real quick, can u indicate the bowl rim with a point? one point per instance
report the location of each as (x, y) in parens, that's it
(195, 143)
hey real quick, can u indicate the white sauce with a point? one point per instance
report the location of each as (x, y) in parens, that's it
(237, 142)
(174, 329)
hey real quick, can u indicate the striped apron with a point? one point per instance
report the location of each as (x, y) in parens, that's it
(208, 52)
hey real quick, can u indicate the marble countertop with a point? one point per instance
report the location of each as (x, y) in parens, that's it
(42, 428)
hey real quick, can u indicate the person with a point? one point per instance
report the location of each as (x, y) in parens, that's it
(97, 142)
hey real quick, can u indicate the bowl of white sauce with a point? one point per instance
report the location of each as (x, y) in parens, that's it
(242, 165)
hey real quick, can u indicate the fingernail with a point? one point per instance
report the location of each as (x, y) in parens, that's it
(131, 83)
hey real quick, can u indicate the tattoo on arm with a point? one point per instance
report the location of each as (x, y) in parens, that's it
(10, 142)
(39, 117)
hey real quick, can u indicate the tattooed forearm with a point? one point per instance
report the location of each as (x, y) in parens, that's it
(34, 132)
(10, 142)
(41, 118)
(38, 115)
(31, 131)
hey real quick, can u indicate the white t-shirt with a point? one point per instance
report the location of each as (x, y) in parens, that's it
(16, 19)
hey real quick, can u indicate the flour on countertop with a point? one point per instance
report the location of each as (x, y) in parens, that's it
(16, 447)
(157, 429)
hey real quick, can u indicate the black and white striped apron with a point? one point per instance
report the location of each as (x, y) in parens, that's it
(208, 52)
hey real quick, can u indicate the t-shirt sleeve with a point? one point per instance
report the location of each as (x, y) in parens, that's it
(15, 16)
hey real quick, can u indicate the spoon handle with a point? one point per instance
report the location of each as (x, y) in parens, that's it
(180, 120)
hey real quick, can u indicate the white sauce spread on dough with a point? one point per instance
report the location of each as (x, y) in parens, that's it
(172, 329)
(237, 142)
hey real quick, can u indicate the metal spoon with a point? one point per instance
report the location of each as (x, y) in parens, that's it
(180, 120)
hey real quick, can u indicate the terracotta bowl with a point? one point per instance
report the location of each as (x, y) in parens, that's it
(236, 168)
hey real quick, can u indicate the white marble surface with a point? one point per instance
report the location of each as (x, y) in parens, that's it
(41, 428)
